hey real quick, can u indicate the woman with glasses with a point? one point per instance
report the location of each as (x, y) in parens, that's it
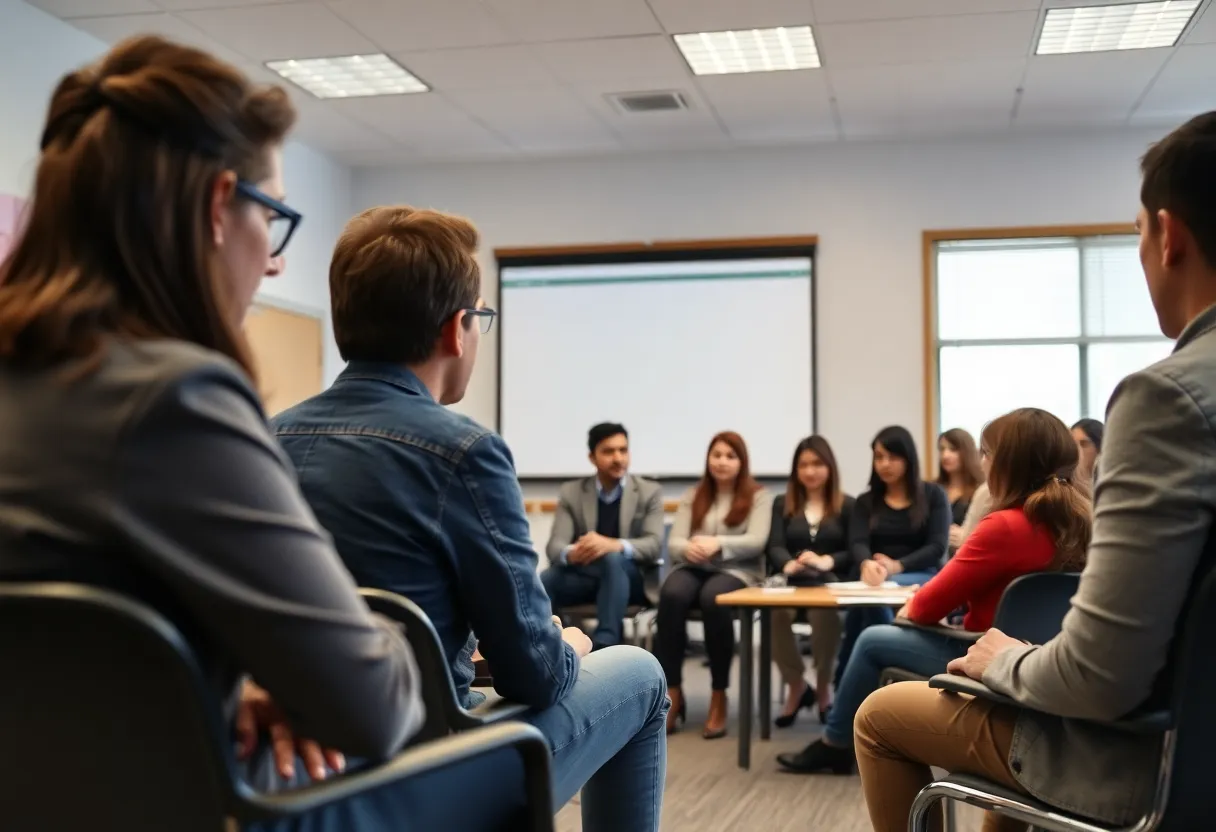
(135, 454)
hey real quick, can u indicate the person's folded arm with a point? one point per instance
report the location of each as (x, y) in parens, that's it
(778, 554)
(561, 536)
(500, 591)
(929, 555)
(750, 542)
(208, 503)
(979, 563)
(681, 530)
(647, 547)
(1153, 518)
(859, 539)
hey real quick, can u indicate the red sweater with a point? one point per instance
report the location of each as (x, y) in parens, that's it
(1004, 546)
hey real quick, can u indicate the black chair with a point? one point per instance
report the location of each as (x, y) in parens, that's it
(444, 713)
(109, 723)
(1183, 800)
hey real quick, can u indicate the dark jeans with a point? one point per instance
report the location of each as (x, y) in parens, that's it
(858, 619)
(685, 589)
(612, 583)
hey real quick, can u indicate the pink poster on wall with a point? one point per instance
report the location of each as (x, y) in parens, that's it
(10, 217)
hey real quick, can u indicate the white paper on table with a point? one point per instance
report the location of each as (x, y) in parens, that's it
(875, 600)
(778, 590)
(860, 586)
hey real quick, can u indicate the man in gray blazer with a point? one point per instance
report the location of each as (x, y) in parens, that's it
(608, 527)
(1152, 541)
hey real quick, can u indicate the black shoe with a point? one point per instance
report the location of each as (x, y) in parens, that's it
(824, 713)
(807, 700)
(818, 757)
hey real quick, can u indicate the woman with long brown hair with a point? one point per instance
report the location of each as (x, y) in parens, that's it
(135, 454)
(960, 473)
(1041, 521)
(716, 546)
(808, 542)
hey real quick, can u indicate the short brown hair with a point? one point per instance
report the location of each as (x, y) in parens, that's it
(1179, 176)
(397, 275)
(1033, 466)
(117, 240)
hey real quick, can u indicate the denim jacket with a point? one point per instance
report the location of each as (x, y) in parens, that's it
(424, 502)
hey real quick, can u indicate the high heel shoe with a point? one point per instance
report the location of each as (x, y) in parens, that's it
(805, 701)
(715, 723)
(678, 711)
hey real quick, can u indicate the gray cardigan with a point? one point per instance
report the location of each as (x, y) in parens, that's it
(156, 475)
(1152, 531)
(742, 553)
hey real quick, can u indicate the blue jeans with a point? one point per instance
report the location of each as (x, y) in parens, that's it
(607, 737)
(611, 583)
(859, 618)
(880, 647)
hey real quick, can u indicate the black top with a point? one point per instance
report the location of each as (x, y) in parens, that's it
(791, 536)
(958, 510)
(892, 534)
(608, 518)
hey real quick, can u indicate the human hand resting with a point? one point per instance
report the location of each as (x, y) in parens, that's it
(577, 639)
(873, 573)
(981, 653)
(792, 566)
(892, 566)
(257, 712)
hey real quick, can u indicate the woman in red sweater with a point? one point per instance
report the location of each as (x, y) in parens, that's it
(1040, 521)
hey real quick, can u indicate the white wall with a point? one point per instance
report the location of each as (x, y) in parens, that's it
(868, 203)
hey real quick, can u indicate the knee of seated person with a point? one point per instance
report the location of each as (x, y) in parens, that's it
(612, 560)
(872, 715)
(638, 668)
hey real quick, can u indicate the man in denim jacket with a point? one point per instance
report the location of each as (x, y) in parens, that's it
(424, 502)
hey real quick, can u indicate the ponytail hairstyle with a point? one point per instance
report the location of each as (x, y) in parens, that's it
(117, 239)
(707, 489)
(1033, 465)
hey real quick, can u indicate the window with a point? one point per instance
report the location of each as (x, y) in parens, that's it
(1050, 322)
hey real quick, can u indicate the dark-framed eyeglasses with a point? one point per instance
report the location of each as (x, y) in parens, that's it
(283, 220)
(487, 316)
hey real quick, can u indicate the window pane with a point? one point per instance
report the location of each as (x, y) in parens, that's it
(1016, 291)
(1116, 296)
(1109, 364)
(977, 384)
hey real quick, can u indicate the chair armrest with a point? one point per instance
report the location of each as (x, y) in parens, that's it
(415, 761)
(1148, 722)
(955, 633)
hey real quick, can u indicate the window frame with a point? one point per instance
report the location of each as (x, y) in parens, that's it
(932, 345)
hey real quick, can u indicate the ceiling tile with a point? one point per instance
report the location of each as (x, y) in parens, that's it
(198, 5)
(423, 24)
(772, 106)
(1099, 80)
(1071, 117)
(92, 8)
(839, 11)
(425, 120)
(1204, 29)
(324, 128)
(114, 28)
(539, 119)
(486, 67)
(1184, 88)
(679, 16)
(535, 21)
(626, 64)
(695, 127)
(286, 30)
(957, 37)
(936, 125)
(899, 92)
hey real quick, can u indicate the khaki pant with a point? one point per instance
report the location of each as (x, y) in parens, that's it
(904, 728)
(825, 642)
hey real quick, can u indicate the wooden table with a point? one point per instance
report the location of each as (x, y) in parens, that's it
(764, 601)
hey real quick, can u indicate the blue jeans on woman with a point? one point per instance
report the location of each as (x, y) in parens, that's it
(607, 738)
(879, 647)
(859, 618)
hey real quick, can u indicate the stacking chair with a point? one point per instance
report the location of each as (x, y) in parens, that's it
(1184, 799)
(109, 723)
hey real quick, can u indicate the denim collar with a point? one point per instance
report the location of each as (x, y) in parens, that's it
(394, 374)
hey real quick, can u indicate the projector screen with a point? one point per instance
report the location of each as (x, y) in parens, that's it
(676, 350)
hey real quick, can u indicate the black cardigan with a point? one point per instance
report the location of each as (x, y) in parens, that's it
(790, 536)
(916, 549)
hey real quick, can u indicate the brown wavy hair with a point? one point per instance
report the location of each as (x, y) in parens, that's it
(117, 239)
(969, 459)
(795, 491)
(1033, 465)
(707, 489)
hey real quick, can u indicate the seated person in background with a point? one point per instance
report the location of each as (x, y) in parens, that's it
(716, 546)
(1041, 522)
(808, 542)
(1088, 433)
(958, 472)
(1152, 542)
(425, 502)
(605, 527)
(899, 529)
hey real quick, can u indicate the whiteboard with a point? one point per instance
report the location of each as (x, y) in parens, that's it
(675, 351)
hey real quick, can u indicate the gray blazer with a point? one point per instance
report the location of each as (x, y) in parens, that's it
(743, 545)
(641, 517)
(155, 475)
(1154, 508)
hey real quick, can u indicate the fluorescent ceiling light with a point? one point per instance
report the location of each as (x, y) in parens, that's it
(1111, 27)
(749, 50)
(354, 76)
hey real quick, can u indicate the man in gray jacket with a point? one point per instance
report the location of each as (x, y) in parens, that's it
(1152, 537)
(608, 527)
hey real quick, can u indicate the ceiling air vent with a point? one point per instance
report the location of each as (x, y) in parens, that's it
(649, 102)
